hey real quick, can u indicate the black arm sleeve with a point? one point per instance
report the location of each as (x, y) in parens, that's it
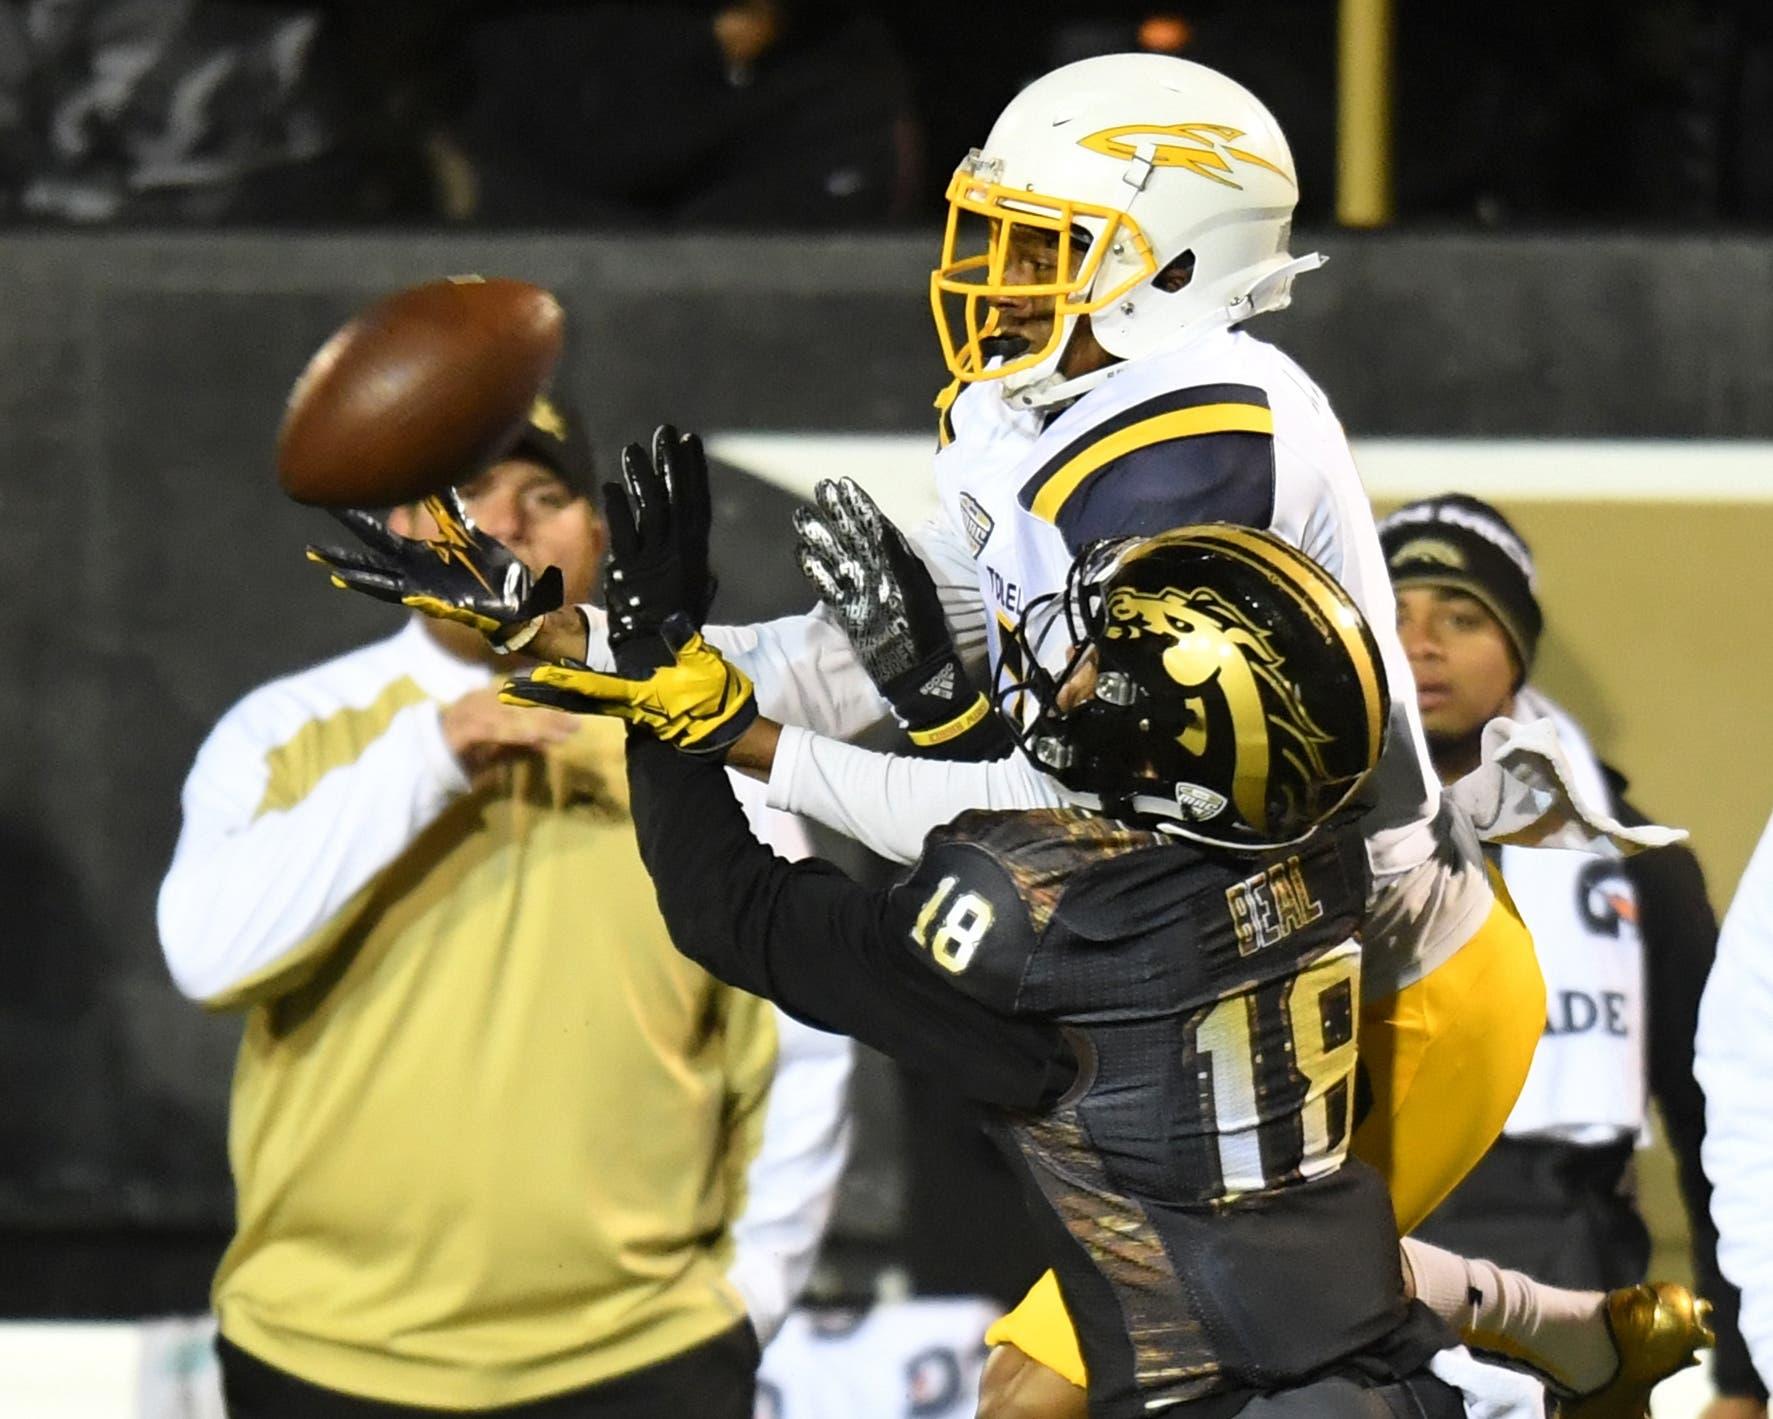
(825, 949)
(1680, 942)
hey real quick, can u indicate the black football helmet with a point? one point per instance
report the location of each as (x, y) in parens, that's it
(1238, 695)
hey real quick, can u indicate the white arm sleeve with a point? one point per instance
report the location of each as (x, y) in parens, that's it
(890, 803)
(803, 666)
(246, 887)
(1733, 1061)
(791, 1185)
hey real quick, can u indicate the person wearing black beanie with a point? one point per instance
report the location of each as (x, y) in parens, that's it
(1625, 948)
(1468, 614)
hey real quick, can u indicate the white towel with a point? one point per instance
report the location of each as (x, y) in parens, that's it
(1525, 793)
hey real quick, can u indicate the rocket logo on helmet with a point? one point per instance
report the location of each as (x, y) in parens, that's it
(1208, 146)
(1234, 694)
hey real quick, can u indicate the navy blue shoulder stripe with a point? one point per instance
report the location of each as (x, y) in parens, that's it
(1219, 477)
(1176, 413)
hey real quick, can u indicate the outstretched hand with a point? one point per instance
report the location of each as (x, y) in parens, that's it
(462, 575)
(885, 599)
(659, 519)
(696, 702)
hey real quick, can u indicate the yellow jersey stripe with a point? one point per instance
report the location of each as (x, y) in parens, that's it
(322, 745)
(1178, 424)
(944, 418)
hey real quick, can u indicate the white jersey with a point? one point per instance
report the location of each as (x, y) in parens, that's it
(1227, 429)
(1733, 1061)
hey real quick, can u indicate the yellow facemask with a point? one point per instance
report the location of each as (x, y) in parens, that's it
(973, 266)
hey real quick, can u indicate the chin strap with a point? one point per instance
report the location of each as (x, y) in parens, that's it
(1051, 391)
(1031, 388)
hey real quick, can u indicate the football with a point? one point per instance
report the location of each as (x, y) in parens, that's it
(418, 392)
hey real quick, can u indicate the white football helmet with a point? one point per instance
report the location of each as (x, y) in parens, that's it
(1151, 158)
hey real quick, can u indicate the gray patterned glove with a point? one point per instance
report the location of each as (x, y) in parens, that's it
(862, 567)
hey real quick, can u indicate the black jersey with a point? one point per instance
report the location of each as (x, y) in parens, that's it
(1208, 1233)
(1164, 1039)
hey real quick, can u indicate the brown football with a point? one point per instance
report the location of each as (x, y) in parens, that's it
(418, 392)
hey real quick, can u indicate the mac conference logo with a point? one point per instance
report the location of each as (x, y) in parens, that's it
(978, 522)
(1205, 149)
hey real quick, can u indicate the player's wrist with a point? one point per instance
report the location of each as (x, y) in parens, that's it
(510, 639)
(562, 634)
(754, 751)
(931, 735)
(933, 694)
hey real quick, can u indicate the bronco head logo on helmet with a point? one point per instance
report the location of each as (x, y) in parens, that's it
(1233, 692)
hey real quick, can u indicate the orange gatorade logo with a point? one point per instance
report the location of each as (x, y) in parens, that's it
(1203, 148)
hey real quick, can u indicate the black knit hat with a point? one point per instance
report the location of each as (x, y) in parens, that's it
(1463, 543)
(555, 435)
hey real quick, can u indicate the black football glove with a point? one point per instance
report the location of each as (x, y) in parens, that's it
(464, 575)
(696, 702)
(886, 601)
(659, 516)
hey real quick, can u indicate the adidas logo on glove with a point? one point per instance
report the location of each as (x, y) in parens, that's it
(940, 685)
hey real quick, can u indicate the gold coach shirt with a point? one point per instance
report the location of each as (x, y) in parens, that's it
(490, 1132)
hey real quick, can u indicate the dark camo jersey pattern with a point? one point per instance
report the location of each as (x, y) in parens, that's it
(1187, 1283)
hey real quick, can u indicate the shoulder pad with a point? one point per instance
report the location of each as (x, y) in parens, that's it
(1010, 871)
(988, 884)
(1202, 454)
(969, 922)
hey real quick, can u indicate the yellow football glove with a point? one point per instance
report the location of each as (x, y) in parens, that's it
(698, 704)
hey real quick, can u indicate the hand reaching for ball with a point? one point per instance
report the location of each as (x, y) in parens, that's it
(463, 575)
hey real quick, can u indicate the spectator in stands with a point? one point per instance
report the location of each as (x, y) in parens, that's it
(202, 111)
(757, 114)
(495, 1142)
(1736, 1069)
(1625, 947)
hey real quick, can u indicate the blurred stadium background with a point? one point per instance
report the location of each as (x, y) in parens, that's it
(1551, 284)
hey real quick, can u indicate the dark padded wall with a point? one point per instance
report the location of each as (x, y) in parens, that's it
(150, 574)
